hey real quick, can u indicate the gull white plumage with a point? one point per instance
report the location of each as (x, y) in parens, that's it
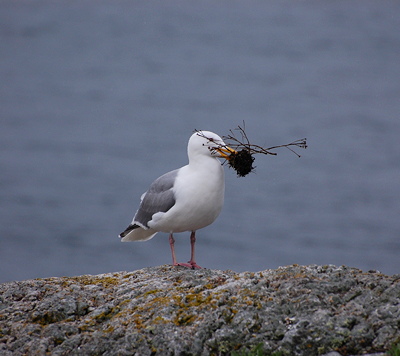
(186, 199)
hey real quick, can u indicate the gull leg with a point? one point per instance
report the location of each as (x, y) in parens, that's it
(172, 245)
(192, 264)
(192, 261)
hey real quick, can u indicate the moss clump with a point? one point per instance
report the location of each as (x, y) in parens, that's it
(93, 280)
(395, 350)
(241, 162)
(182, 318)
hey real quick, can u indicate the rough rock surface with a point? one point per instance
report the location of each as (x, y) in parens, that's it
(294, 310)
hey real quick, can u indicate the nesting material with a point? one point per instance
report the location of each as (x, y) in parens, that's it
(241, 157)
(242, 162)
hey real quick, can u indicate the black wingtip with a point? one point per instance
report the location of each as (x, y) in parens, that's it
(128, 230)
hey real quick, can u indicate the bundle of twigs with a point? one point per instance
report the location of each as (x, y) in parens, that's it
(242, 160)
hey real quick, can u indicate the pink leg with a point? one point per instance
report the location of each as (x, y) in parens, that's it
(171, 244)
(192, 264)
(192, 261)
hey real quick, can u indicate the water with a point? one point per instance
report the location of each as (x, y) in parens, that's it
(99, 98)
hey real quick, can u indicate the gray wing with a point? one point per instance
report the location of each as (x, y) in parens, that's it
(159, 198)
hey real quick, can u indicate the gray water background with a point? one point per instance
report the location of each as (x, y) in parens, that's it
(99, 98)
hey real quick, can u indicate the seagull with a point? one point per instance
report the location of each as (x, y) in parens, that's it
(185, 199)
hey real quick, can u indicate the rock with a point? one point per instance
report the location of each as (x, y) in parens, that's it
(294, 310)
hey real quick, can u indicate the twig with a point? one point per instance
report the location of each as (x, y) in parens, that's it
(242, 159)
(244, 143)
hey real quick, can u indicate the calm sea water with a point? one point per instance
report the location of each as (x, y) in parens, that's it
(99, 98)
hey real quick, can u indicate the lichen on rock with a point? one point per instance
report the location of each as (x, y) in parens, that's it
(294, 310)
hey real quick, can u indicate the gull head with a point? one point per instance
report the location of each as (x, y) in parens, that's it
(207, 143)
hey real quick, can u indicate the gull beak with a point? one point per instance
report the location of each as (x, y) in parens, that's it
(225, 152)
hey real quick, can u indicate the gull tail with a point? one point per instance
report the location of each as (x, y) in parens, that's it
(136, 233)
